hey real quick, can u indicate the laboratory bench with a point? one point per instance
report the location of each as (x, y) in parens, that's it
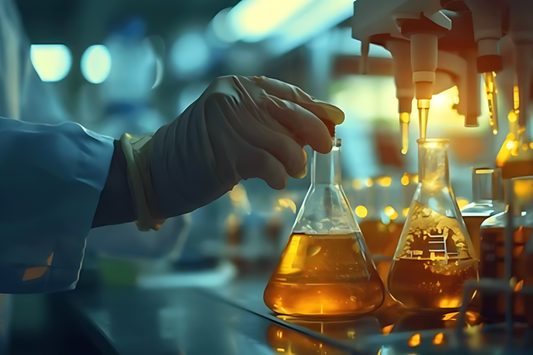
(232, 319)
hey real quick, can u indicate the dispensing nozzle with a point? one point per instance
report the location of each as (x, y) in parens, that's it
(486, 17)
(424, 34)
(521, 32)
(492, 92)
(424, 54)
(405, 118)
(401, 55)
(523, 57)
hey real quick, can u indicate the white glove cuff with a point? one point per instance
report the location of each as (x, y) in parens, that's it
(139, 179)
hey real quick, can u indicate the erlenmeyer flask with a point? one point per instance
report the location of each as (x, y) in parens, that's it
(434, 256)
(325, 269)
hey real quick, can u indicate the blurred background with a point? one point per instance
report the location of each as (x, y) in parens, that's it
(131, 66)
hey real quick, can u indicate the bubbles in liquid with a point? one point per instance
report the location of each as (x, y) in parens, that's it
(324, 275)
(432, 262)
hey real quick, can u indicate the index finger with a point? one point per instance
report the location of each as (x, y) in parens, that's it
(321, 109)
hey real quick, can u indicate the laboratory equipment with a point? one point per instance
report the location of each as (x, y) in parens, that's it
(326, 268)
(493, 248)
(435, 256)
(488, 200)
(451, 42)
(521, 33)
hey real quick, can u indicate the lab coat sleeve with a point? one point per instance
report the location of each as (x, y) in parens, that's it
(51, 177)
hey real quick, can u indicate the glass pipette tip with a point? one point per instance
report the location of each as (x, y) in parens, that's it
(423, 115)
(405, 118)
(492, 94)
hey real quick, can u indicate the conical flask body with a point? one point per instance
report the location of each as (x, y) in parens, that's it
(435, 256)
(325, 269)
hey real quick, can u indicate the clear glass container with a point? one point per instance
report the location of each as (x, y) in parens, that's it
(380, 225)
(492, 235)
(434, 257)
(326, 268)
(488, 200)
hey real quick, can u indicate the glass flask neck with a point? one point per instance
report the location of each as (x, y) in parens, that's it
(327, 167)
(487, 185)
(433, 168)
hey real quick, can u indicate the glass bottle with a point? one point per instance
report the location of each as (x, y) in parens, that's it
(325, 269)
(488, 200)
(434, 256)
(492, 234)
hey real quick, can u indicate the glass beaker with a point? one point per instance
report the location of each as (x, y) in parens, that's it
(434, 256)
(325, 269)
(488, 201)
(492, 234)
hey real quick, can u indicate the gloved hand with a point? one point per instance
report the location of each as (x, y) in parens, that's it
(239, 128)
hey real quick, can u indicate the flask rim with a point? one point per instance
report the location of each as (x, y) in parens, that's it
(433, 140)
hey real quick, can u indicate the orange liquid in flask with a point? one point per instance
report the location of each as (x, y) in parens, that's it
(324, 275)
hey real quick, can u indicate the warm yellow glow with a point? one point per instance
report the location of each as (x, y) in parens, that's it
(507, 149)
(361, 211)
(415, 340)
(280, 350)
(394, 215)
(389, 211)
(440, 99)
(287, 203)
(369, 182)
(512, 116)
(356, 184)
(516, 98)
(405, 211)
(438, 338)
(384, 181)
(415, 178)
(351, 334)
(461, 202)
(287, 263)
(405, 117)
(531, 145)
(238, 193)
(450, 315)
(453, 303)
(405, 180)
(523, 188)
(386, 330)
(519, 286)
(279, 333)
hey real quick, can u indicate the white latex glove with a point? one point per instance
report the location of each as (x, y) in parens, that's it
(239, 128)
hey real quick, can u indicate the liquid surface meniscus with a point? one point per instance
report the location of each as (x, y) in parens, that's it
(324, 275)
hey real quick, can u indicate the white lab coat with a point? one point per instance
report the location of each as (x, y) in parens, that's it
(51, 176)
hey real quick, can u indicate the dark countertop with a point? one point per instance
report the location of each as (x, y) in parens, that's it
(183, 321)
(234, 320)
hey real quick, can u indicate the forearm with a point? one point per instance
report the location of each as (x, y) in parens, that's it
(115, 205)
